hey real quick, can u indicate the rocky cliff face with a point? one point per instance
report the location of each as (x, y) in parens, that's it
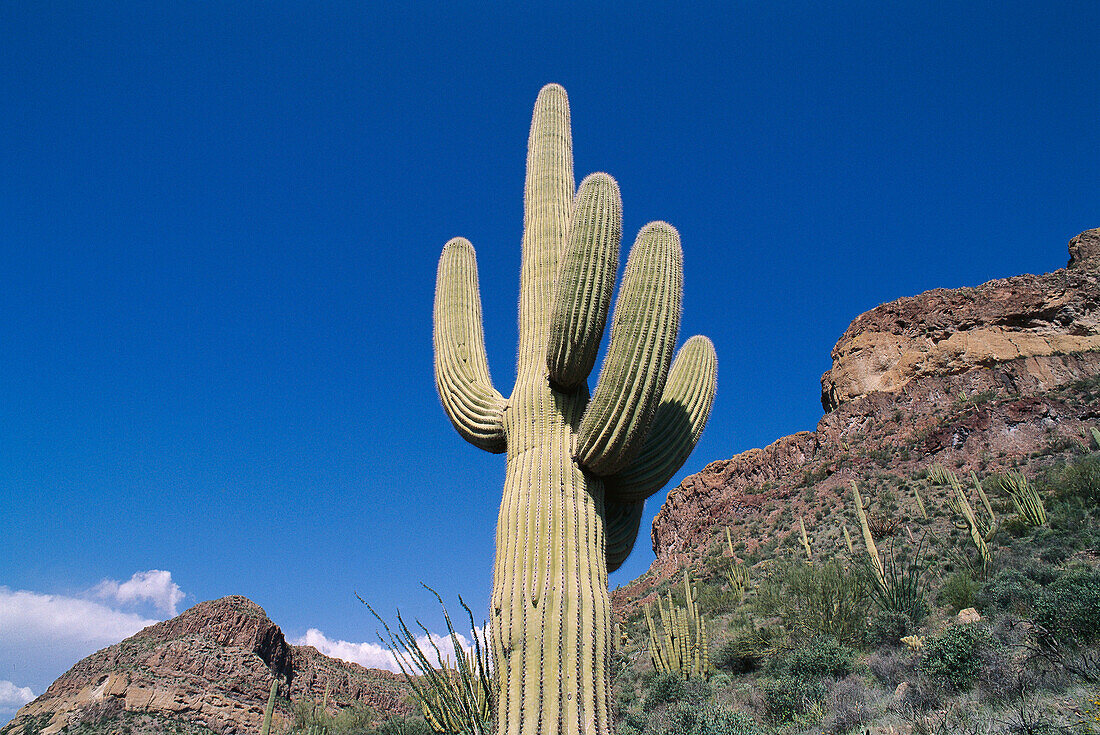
(211, 666)
(975, 378)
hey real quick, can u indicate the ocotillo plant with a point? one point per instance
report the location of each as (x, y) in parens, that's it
(682, 646)
(578, 470)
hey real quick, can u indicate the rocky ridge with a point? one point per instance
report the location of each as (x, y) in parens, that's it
(979, 378)
(211, 666)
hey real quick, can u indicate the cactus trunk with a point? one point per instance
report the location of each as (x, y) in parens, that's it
(578, 471)
(550, 610)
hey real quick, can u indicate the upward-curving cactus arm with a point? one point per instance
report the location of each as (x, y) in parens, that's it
(616, 423)
(586, 279)
(623, 522)
(683, 412)
(461, 369)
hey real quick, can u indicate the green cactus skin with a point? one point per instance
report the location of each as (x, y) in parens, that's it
(848, 540)
(1025, 498)
(269, 710)
(682, 647)
(920, 504)
(805, 541)
(869, 540)
(578, 471)
(981, 531)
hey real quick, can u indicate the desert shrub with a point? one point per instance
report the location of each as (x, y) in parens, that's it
(959, 590)
(851, 705)
(888, 627)
(664, 689)
(891, 666)
(1009, 590)
(815, 658)
(1069, 607)
(823, 599)
(683, 718)
(955, 654)
(746, 651)
(403, 726)
(793, 699)
(1080, 479)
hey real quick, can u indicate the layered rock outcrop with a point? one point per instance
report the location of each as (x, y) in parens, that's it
(211, 666)
(979, 378)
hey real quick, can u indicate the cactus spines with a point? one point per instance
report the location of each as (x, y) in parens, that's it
(578, 471)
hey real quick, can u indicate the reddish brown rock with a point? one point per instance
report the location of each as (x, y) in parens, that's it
(975, 378)
(213, 666)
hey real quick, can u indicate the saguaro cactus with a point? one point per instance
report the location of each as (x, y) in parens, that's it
(578, 470)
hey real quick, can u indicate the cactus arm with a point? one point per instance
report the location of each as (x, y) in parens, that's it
(585, 281)
(643, 335)
(682, 414)
(547, 204)
(461, 368)
(623, 521)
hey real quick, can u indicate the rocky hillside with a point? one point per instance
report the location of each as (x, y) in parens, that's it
(983, 378)
(209, 669)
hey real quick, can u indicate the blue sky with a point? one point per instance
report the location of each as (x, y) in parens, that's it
(221, 223)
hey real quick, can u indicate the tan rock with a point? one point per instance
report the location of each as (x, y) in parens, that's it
(213, 664)
(969, 615)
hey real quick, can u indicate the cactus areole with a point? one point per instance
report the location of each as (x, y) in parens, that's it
(579, 469)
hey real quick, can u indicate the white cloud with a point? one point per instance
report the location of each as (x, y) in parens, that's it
(43, 635)
(30, 616)
(155, 586)
(376, 656)
(12, 697)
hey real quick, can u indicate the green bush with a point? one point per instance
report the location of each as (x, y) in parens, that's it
(1080, 479)
(1009, 590)
(403, 726)
(793, 699)
(683, 718)
(746, 651)
(888, 627)
(823, 599)
(664, 689)
(718, 720)
(815, 658)
(1069, 608)
(955, 654)
(959, 590)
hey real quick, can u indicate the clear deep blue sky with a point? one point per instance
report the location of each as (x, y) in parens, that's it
(220, 224)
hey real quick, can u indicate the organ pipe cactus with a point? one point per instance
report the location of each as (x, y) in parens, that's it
(736, 573)
(1026, 499)
(869, 540)
(805, 541)
(981, 530)
(682, 646)
(578, 469)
